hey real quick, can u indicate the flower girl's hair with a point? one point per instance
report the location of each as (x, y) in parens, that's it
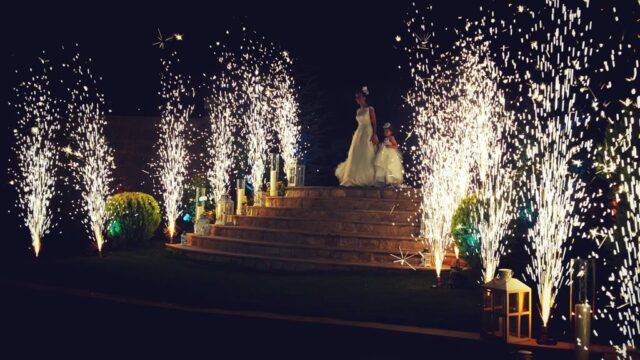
(363, 91)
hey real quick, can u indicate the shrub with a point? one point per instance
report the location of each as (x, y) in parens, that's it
(133, 218)
(464, 233)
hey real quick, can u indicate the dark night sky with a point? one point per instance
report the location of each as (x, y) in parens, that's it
(345, 43)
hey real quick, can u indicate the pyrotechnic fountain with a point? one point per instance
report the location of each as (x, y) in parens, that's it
(173, 160)
(35, 174)
(91, 156)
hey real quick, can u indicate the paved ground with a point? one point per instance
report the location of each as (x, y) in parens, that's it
(52, 323)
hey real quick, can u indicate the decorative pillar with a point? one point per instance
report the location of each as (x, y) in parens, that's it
(240, 185)
(275, 162)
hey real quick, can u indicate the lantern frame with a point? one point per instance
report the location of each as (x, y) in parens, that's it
(224, 209)
(506, 308)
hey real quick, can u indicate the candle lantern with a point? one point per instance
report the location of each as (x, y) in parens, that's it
(295, 174)
(275, 163)
(506, 310)
(224, 208)
(240, 185)
(258, 198)
(201, 198)
(202, 225)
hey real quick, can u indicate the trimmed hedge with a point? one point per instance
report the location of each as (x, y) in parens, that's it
(133, 218)
(464, 232)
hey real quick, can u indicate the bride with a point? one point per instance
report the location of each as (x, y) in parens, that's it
(358, 169)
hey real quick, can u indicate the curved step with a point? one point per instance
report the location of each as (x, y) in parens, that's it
(364, 244)
(274, 262)
(328, 225)
(310, 237)
(326, 214)
(298, 251)
(351, 192)
(342, 203)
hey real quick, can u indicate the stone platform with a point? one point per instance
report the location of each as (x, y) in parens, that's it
(317, 228)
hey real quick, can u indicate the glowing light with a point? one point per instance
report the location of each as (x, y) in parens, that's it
(173, 155)
(554, 194)
(92, 170)
(403, 259)
(285, 103)
(35, 174)
(225, 117)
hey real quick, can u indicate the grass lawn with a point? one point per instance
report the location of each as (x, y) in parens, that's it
(400, 298)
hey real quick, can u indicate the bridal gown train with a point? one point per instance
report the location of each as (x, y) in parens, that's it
(358, 169)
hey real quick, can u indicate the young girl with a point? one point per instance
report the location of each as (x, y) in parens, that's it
(388, 161)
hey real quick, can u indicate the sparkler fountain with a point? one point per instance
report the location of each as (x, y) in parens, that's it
(172, 148)
(92, 160)
(224, 119)
(35, 175)
(441, 156)
(555, 195)
(286, 107)
(490, 123)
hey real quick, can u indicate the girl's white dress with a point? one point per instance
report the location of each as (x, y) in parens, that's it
(388, 165)
(358, 170)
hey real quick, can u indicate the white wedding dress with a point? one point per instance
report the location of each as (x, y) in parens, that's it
(388, 165)
(358, 169)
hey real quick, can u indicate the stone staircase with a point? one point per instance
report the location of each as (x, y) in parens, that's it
(317, 228)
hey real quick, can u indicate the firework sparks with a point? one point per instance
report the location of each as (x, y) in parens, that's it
(442, 100)
(553, 195)
(622, 157)
(37, 156)
(490, 124)
(403, 258)
(172, 148)
(225, 116)
(285, 104)
(92, 161)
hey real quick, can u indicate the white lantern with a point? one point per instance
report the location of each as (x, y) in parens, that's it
(201, 197)
(202, 225)
(295, 174)
(240, 185)
(506, 310)
(275, 164)
(224, 208)
(258, 197)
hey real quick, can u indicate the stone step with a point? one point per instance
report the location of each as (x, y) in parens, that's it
(343, 203)
(365, 241)
(303, 238)
(344, 215)
(297, 251)
(351, 192)
(328, 226)
(282, 263)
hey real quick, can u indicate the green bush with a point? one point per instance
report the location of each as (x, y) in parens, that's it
(133, 218)
(464, 233)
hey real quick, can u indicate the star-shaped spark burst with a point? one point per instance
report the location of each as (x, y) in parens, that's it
(178, 37)
(161, 40)
(403, 258)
